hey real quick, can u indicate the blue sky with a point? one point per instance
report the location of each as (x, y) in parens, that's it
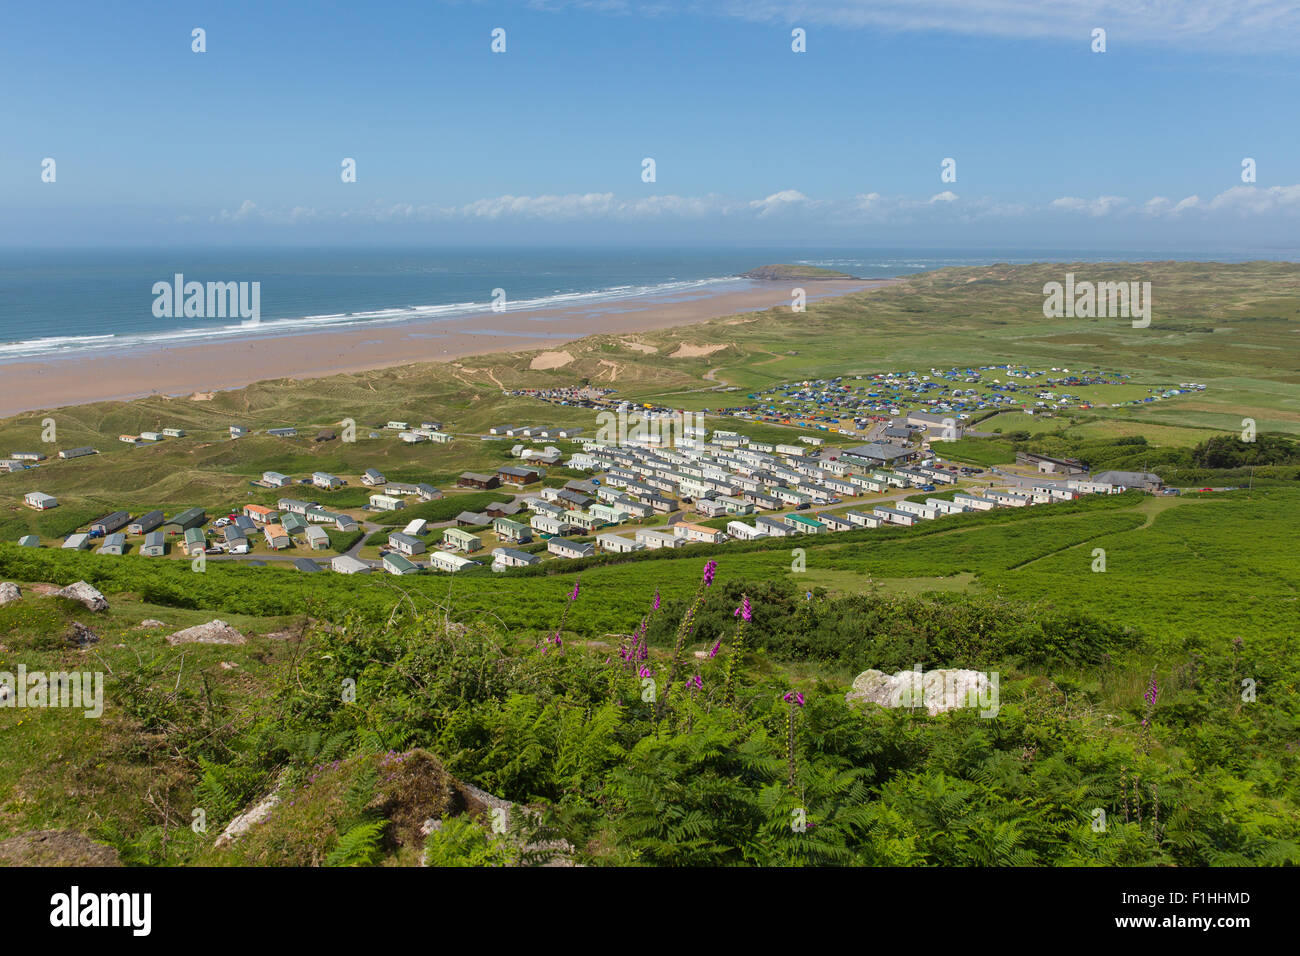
(1054, 144)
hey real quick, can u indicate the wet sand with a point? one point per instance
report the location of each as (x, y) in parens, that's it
(27, 385)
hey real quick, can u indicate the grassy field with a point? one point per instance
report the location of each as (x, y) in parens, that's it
(1198, 591)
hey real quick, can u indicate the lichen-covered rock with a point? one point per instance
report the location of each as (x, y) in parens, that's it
(84, 594)
(250, 818)
(214, 632)
(9, 592)
(937, 691)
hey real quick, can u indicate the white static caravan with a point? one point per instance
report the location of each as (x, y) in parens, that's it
(699, 532)
(405, 543)
(275, 479)
(510, 558)
(939, 475)
(1009, 499)
(617, 544)
(925, 512)
(772, 527)
(867, 484)
(77, 542)
(946, 507)
(114, 544)
(709, 508)
(1090, 487)
(396, 564)
(572, 550)
(317, 538)
(40, 501)
(894, 516)
(658, 539)
(386, 503)
(345, 564)
(863, 520)
(736, 506)
(155, 544)
(325, 480)
(416, 526)
(547, 524)
(450, 562)
(975, 502)
(835, 522)
(744, 532)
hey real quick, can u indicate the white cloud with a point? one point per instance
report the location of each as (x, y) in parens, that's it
(1228, 25)
(1101, 206)
(1242, 25)
(783, 205)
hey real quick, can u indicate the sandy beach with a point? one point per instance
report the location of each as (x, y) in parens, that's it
(28, 385)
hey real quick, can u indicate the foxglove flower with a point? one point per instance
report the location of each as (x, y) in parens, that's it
(710, 569)
(793, 697)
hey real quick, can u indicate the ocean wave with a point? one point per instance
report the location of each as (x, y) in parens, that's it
(51, 346)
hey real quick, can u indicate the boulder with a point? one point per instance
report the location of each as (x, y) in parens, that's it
(9, 592)
(214, 632)
(148, 623)
(84, 594)
(938, 691)
(245, 821)
(81, 635)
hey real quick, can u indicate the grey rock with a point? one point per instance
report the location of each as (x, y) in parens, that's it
(84, 594)
(937, 691)
(214, 632)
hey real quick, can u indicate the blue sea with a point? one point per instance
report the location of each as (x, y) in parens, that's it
(61, 302)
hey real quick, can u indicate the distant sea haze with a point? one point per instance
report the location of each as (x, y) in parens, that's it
(60, 303)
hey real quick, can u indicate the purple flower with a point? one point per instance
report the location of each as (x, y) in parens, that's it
(643, 672)
(744, 611)
(655, 605)
(695, 683)
(573, 595)
(710, 569)
(1153, 692)
(716, 647)
(793, 697)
